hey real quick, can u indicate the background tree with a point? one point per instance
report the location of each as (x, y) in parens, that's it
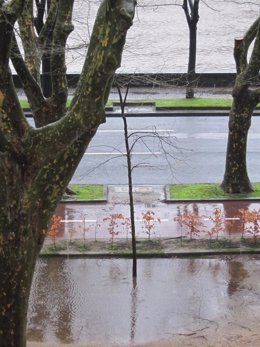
(191, 10)
(245, 99)
(129, 148)
(36, 164)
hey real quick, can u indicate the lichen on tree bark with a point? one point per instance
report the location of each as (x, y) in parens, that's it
(36, 164)
(245, 99)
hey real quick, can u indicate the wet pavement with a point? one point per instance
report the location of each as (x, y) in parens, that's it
(91, 301)
(189, 301)
(92, 219)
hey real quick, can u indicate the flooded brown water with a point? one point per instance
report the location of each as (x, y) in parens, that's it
(158, 40)
(93, 302)
(74, 215)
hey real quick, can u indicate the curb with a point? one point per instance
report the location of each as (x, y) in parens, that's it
(173, 254)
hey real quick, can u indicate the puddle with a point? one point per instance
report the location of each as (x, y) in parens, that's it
(95, 301)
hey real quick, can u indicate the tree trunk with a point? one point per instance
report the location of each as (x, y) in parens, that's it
(36, 164)
(236, 178)
(130, 181)
(16, 267)
(131, 197)
(191, 74)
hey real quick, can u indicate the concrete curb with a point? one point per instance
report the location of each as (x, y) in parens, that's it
(173, 254)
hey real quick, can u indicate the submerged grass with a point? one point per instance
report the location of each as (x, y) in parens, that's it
(154, 247)
(207, 191)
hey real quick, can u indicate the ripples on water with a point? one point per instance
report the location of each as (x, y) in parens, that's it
(91, 300)
(158, 40)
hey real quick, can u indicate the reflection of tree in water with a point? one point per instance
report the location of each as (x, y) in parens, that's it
(237, 275)
(37, 314)
(231, 210)
(186, 209)
(134, 299)
(51, 304)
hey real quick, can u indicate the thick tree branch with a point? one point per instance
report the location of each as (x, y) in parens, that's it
(28, 37)
(242, 45)
(38, 21)
(62, 29)
(256, 95)
(186, 11)
(251, 33)
(195, 11)
(87, 109)
(48, 26)
(103, 58)
(12, 121)
(253, 67)
(8, 17)
(14, 7)
(247, 72)
(31, 87)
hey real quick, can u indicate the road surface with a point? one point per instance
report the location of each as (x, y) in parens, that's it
(196, 153)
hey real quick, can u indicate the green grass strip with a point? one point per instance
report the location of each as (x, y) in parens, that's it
(88, 191)
(24, 103)
(195, 102)
(206, 191)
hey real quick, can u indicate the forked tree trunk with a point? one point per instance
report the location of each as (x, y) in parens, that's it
(36, 164)
(245, 99)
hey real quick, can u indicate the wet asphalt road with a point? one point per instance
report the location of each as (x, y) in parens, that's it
(196, 152)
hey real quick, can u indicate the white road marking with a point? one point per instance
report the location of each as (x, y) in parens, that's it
(232, 218)
(137, 220)
(173, 133)
(136, 131)
(78, 220)
(122, 153)
(95, 220)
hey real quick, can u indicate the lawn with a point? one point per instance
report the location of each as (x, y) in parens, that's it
(88, 191)
(207, 191)
(195, 102)
(179, 102)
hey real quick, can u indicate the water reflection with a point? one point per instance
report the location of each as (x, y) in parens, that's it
(91, 300)
(134, 298)
(79, 222)
(237, 275)
(52, 315)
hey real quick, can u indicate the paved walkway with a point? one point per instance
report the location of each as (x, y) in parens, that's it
(93, 218)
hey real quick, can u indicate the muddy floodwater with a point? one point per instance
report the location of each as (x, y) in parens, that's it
(94, 301)
(159, 39)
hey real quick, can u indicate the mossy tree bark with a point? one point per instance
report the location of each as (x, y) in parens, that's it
(245, 99)
(191, 10)
(36, 164)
